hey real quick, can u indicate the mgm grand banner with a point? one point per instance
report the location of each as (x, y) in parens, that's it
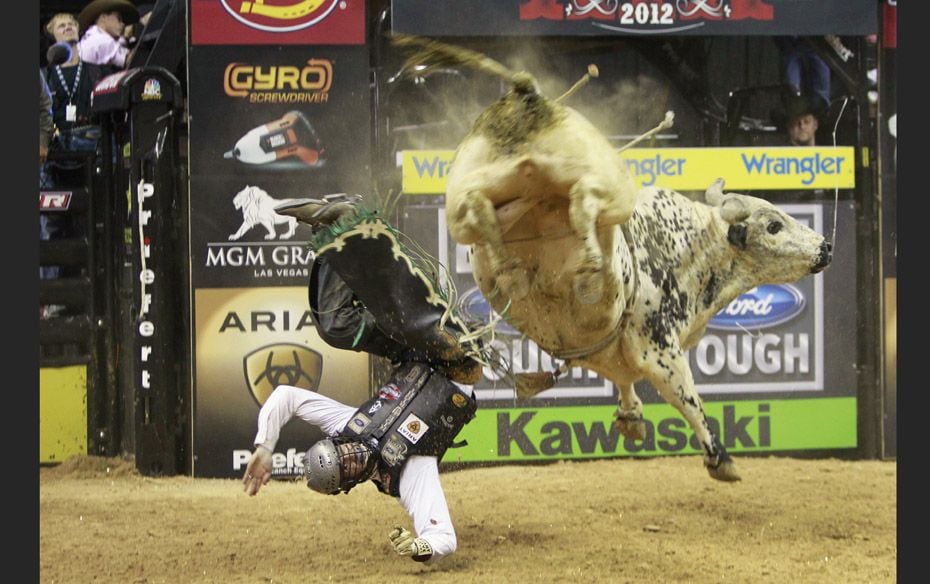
(279, 110)
(772, 366)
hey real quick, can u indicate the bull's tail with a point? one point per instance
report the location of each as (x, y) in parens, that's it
(431, 55)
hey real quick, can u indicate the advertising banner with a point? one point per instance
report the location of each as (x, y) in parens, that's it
(277, 22)
(424, 172)
(551, 433)
(633, 17)
(249, 340)
(268, 125)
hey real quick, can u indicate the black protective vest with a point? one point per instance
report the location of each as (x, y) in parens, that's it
(418, 411)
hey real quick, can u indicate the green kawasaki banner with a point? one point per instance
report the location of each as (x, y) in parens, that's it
(551, 433)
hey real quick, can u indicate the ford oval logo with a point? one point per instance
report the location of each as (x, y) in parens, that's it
(474, 306)
(761, 307)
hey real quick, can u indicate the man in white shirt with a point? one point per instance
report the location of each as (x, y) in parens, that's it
(336, 465)
(366, 295)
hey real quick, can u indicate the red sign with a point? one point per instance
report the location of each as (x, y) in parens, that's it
(646, 11)
(54, 200)
(277, 22)
(890, 24)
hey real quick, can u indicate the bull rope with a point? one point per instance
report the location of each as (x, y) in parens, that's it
(836, 190)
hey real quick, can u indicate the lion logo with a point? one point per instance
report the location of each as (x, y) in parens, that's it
(258, 208)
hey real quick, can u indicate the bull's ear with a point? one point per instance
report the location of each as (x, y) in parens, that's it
(733, 209)
(714, 193)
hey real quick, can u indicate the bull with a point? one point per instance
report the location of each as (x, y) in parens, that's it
(600, 274)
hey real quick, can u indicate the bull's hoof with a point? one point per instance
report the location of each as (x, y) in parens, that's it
(631, 426)
(528, 385)
(721, 467)
(725, 471)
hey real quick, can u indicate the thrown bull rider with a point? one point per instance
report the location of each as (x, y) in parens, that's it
(368, 292)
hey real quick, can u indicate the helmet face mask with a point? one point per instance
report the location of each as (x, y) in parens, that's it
(331, 467)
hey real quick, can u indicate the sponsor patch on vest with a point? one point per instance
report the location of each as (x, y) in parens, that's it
(458, 400)
(389, 392)
(413, 374)
(394, 451)
(374, 407)
(358, 423)
(413, 428)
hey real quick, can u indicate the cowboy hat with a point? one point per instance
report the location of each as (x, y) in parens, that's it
(801, 105)
(795, 106)
(89, 14)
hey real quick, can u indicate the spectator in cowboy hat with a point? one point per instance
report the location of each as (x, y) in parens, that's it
(800, 120)
(107, 26)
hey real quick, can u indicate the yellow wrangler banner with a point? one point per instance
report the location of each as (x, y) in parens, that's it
(686, 169)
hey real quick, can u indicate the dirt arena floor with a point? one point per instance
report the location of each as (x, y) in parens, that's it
(620, 520)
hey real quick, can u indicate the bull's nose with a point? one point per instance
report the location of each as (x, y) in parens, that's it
(823, 260)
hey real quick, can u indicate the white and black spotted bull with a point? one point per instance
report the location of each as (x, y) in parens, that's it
(599, 274)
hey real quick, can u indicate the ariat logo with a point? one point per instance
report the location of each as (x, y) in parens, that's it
(307, 83)
(278, 364)
(412, 428)
(280, 15)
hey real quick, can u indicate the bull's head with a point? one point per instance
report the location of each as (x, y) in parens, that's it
(775, 246)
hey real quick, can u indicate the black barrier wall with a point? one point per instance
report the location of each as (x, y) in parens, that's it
(141, 108)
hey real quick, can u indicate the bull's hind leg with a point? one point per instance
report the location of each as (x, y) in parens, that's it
(629, 416)
(676, 385)
(472, 219)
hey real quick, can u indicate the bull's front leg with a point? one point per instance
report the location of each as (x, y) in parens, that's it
(676, 385)
(585, 202)
(473, 220)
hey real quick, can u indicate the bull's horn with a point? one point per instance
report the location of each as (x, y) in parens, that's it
(714, 193)
(733, 210)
